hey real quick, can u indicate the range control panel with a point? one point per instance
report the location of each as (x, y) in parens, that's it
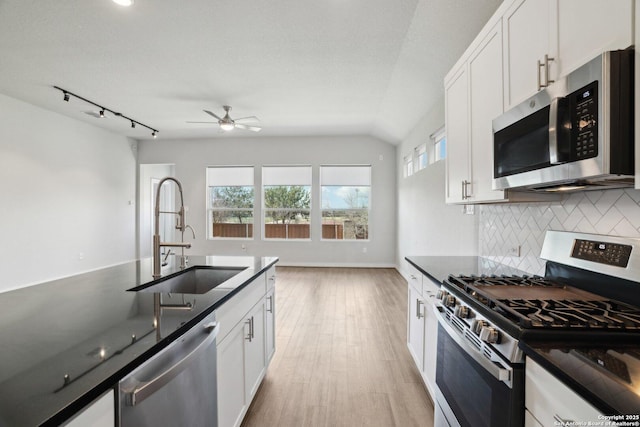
(603, 252)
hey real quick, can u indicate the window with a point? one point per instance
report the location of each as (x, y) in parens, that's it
(421, 156)
(346, 195)
(439, 144)
(408, 165)
(230, 199)
(286, 202)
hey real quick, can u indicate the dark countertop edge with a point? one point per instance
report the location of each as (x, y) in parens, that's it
(566, 379)
(111, 382)
(426, 273)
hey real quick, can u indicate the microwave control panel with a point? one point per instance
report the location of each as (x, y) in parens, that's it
(602, 252)
(584, 122)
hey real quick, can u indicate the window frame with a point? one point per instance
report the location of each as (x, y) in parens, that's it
(367, 209)
(264, 209)
(210, 209)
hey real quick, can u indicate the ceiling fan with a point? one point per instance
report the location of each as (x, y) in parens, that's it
(228, 124)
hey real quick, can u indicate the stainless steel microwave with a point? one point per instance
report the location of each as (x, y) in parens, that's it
(576, 134)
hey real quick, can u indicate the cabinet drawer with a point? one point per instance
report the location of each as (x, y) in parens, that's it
(235, 310)
(550, 401)
(414, 278)
(429, 289)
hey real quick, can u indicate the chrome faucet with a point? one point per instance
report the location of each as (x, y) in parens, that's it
(180, 225)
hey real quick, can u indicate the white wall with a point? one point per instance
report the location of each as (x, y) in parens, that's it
(66, 188)
(191, 157)
(426, 225)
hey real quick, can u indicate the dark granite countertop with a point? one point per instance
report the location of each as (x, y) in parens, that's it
(59, 328)
(439, 267)
(606, 376)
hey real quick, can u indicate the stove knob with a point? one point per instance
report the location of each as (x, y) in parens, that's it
(477, 325)
(441, 294)
(449, 300)
(461, 311)
(489, 334)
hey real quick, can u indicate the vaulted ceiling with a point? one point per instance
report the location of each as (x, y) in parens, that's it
(328, 67)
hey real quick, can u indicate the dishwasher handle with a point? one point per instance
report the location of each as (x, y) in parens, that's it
(147, 388)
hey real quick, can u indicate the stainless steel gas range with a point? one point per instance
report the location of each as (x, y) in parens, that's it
(590, 293)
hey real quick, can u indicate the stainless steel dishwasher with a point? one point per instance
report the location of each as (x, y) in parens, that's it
(177, 386)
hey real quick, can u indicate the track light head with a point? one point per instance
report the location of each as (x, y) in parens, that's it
(133, 125)
(154, 134)
(102, 113)
(66, 96)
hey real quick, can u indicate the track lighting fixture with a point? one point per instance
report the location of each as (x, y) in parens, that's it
(67, 95)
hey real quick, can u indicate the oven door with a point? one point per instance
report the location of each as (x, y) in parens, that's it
(472, 389)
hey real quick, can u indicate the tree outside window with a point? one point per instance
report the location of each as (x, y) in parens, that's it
(231, 201)
(287, 202)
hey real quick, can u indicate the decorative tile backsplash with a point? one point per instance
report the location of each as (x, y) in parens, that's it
(505, 229)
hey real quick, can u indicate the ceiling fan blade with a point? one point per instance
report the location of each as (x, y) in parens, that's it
(249, 118)
(251, 128)
(215, 123)
(212, 114)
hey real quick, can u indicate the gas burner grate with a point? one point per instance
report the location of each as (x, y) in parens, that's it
(572, 314)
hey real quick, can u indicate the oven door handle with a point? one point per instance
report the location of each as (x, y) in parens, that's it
(499, 373)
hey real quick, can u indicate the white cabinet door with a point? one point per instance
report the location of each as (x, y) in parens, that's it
(550, 400)
(586, 28)
(415, 325)
(430, 336)
(530, 420)
(231, 384)
(486, 103)
(270, 324)
(254, 366)
(100, 413)
(527, 26)
(457, 124)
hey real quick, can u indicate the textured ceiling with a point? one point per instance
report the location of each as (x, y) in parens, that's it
(331, 67)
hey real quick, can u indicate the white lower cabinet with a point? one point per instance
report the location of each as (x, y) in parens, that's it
(422, 328)
(100, 413)
(246, 348)
(550, 402)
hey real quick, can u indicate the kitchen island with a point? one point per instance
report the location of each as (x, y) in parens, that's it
(68, 341)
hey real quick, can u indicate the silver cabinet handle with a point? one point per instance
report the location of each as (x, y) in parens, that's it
(419, 314)
(145, 389)
(544, 65)
(465, 193)
(563, 421)
(548, 81)
(270, 308)
(253, 335)
(248, 337)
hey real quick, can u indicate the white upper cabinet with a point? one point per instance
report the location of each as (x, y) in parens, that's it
(527, 26)
(456, 104)
(486, 103)
(586, 28)
(547, 39)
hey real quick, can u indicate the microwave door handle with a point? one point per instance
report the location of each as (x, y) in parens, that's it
(554, 132)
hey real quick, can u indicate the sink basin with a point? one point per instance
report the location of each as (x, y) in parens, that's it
(199, 280)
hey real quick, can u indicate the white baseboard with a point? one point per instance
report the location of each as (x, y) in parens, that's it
(336, 264)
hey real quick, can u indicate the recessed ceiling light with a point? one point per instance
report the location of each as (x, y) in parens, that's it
(123, 2)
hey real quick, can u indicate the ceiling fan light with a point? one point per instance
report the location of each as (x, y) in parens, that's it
(123, 2)
(227, 126)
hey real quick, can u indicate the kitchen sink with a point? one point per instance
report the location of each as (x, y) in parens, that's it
(198, 280)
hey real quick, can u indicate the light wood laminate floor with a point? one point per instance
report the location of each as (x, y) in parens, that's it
(341, 355)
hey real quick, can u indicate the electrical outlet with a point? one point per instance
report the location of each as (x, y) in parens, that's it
(364, 250)
(81, 256)
(514, 251)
